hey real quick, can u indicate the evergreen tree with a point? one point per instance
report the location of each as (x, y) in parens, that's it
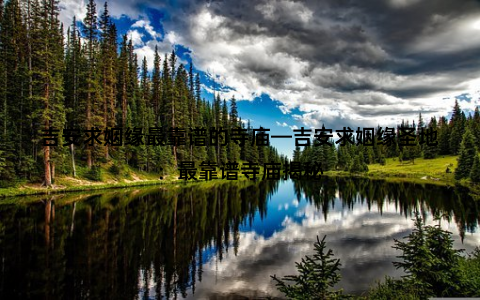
(107, 62)
(226, 126)
(16, 102)
(296, 154)
(475, 172)
(429, 260)
(476, 126)
(418, 131)
(457, 125)
(122, 76)
(156, 85)
(467, 156)
(318, 274)
(358, 164)
(443, 137)
(430, 150)
(48, 86)
(92, 81)
(90, 30)
(73, 66)
(233, 147)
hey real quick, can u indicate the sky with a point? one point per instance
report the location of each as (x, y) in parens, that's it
(307, 63)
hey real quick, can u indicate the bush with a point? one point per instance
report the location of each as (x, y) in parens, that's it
(396, 289)
(433, 268)
(116, 169)
(470, 270)
(358, 165)
(95, 173)
(382, 161)
(475, 173)
(318, 273)
(430, 261)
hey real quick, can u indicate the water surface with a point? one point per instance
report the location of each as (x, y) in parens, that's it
(221, 241)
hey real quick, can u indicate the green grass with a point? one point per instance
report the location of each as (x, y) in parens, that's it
(24, 191)
(432, 168)
(128, 177)
(422, 170)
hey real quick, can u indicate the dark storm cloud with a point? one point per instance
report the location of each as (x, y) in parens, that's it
(401, 56)
(375, 35)
(465, 60)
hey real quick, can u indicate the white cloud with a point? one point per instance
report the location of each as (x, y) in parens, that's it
(136, 37)
(258, 256)
(70, 9)
(145, 24)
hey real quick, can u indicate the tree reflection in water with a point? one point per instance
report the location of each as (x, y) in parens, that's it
(153, 243)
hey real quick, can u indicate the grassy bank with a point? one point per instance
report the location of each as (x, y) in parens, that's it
(421, 171)
(34, 189)
(432, 171)
(107, 178)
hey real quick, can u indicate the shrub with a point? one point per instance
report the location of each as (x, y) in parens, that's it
(95, 173)
(318, 273)
(429, 260)
(116, 169)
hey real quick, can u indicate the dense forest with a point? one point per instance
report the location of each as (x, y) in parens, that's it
(458, 136)
(88, 77)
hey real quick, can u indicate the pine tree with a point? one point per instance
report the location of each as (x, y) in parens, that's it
(475, 172)
(420, 128)
(85, 81)
(430, 150)
(468, 152)
(226, 126)
(90, 30)
(233, 147)
(156, 86)
(107, 64)
(181, 108)
(48, 68)
(73, 66)
(457, 125)
(16, 109)
(318, 274)
(429, 260)
(122, 82)
(192, 107)
(358, 164)
(443, 136)
(143, 114)
(476, 126)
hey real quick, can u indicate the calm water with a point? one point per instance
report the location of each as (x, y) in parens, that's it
(220, 242)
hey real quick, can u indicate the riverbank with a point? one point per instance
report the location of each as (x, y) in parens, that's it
(109, 180)
(421, 171)
(432, 171)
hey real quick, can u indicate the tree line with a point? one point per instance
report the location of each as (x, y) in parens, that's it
(90, 78)
(459, 135)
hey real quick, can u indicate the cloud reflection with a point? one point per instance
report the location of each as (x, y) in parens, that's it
(361, 237)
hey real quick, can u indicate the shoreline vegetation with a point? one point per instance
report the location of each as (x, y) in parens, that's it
(432, 267)
(422, 171)
(108, 180)
(91, 81)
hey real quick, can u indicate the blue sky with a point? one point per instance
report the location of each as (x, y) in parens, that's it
(291, 64)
